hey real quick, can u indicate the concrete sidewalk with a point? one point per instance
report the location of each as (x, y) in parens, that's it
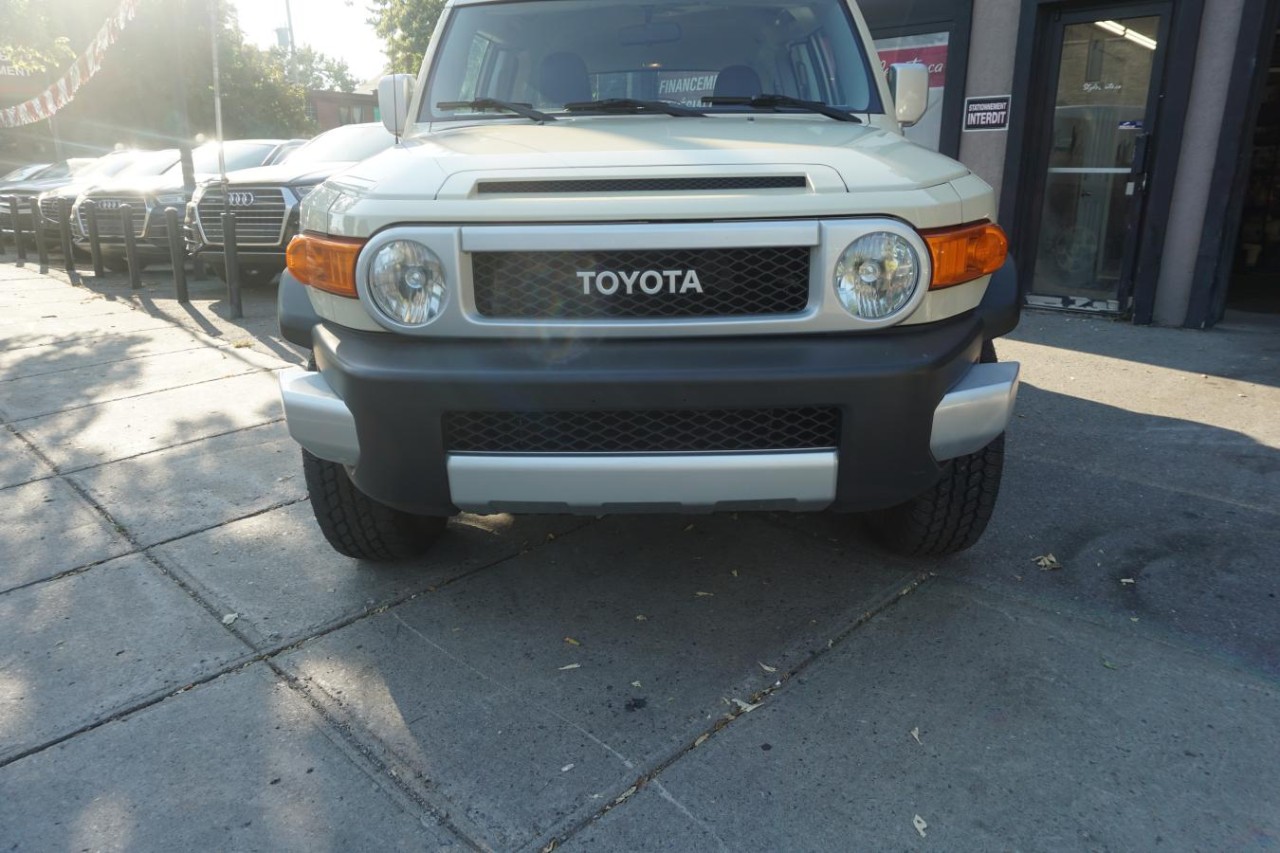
(185, 663)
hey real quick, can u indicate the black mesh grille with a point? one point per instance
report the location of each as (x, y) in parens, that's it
(644, 185)
(733, 283)
(671, 431)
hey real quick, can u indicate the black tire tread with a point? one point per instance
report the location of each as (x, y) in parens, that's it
(356, 525)
(952, 516)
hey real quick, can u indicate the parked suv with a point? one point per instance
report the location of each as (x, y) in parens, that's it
(650, 257)
(97, 172)
(265, 200)
(25, 189)
(152, 185)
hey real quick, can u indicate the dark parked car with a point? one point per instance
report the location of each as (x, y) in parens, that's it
(49, 178)
(99, 171)
(266, 200)
(150, 186)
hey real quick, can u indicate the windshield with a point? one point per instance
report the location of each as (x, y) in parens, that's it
(238, 155)
(150, 163)
(105, 167)
(352, 143)
(548, 53)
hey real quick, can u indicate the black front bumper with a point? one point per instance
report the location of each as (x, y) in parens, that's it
(886, 384)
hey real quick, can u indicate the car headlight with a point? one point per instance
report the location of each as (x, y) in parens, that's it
(877, 275)
(407, 282)
(302, 191)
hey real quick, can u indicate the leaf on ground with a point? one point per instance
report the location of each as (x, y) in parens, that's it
(566, 768)
(635, 684)
(571, 666)
(704, 594)
(640, 617)
(920, 825)
(689, 528)
(700, 739)
(229, 618)
(915, 733)
(1108, 664)
(745, 707)
(1127, 581)
(766, 666)
(734, 572)
(625, 794)
(243, 344)
(571, 641)
(1047, 562)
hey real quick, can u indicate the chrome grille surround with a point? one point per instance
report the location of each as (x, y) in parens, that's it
(457, 245)
(262, 214)
(108, 207)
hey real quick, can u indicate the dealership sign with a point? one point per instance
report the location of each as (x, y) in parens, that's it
(987, 113)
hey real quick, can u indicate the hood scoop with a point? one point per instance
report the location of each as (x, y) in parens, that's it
(711, 183)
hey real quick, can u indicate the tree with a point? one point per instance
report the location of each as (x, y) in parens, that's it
(160, 60)
(406, 26)
(313, 70)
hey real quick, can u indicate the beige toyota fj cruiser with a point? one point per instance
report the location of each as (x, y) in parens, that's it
(650, 255)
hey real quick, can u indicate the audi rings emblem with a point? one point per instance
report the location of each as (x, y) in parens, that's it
(240, 199)
(108, 204)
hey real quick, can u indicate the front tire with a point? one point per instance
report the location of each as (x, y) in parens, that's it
(358, 526)
(952, 515)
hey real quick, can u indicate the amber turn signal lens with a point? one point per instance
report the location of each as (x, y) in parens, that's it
(325, 263)
(965, 253)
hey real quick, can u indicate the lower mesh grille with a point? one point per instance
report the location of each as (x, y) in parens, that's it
(670, 431)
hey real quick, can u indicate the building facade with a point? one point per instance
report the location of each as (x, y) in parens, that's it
(1134, 146)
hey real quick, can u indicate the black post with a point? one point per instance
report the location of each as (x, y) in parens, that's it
(130, 246)
(4, 241)
(42, 251)
(233, 264)
(90, 209)
(17, 230)
(177, 253)
(64, 227)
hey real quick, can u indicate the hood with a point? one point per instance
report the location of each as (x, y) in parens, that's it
(35, 186)
(287, 174)
(447, 163)
(145, 184)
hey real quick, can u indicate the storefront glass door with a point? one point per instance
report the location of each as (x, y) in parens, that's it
(1098, 146)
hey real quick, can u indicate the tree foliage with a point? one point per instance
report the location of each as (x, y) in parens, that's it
(162, 61)
(406, 27)
(313, 70)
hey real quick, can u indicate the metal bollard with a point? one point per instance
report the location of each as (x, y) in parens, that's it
(177, 253)
(42, 251)
(64, 226)
(4, 240)
(232, 261)
(130, 246)
(90, 209)
(20, 246)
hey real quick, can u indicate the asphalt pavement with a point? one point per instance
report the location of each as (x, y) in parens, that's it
(185, 664)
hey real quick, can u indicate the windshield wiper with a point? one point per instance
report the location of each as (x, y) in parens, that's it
(609, 105)
(772, 102)
(524, 110)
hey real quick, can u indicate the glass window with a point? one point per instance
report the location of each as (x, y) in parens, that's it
(551, 52)
(929, 49)
(344, 144)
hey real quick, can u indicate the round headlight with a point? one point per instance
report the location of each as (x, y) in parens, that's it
(877, 275)
(407, 283)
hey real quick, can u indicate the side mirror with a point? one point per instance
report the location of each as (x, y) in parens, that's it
(909, 83)
(394, 93)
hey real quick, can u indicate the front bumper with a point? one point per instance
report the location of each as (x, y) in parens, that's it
(910, 398)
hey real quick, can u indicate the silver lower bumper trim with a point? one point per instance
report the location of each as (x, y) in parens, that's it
(975, 411)
(605, 483)
(318, 419)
